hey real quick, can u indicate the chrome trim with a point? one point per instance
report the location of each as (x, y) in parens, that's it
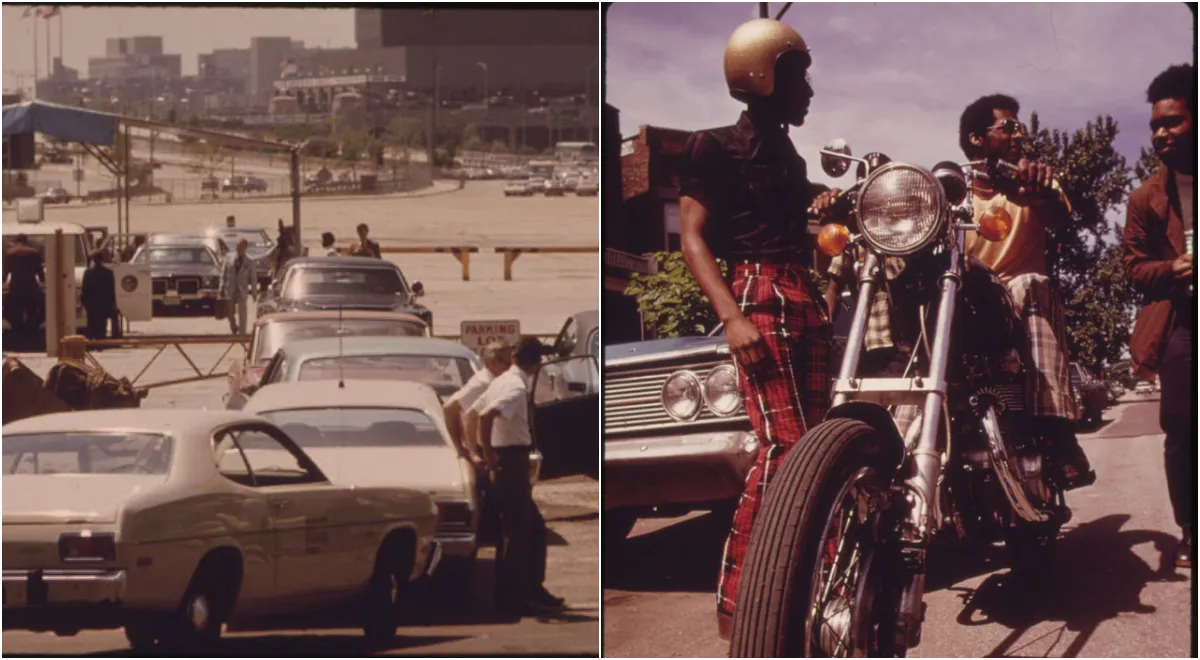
(939, 203)
(633, 401)
(435, 558)
(1005, 471)
(87, 586)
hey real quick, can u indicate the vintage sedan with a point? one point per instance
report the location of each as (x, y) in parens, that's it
(171, 523)
(1091, 396)
(259, 245)
(364, 435)
(676, 437)
(273, 331)
(332, 283)
(181, 275)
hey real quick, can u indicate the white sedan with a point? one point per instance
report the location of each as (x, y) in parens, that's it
(365, 435)
(170, 523)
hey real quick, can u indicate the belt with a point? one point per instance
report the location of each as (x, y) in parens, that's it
(774, 259)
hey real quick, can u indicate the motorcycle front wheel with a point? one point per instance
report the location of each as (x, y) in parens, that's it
(818, 579)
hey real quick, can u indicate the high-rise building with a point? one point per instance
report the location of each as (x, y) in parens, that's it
(128, 58)
(267, 56)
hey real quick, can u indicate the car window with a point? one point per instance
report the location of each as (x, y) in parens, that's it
(274, 335)
(594, 344)
(39, 243)
(87, 453)
(306, 282)
(565, 343)
(196, 255)
(229, 460)
(357, 427)
(270, 461)
(253, 238)
(441, 373)
(566, 379)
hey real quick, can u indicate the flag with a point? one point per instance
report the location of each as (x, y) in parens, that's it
(31, 11)
(50, 12)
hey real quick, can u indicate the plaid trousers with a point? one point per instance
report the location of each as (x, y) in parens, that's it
(784, 397)
(1048, 378)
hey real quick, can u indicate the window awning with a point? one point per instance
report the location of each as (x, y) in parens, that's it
(61, 121)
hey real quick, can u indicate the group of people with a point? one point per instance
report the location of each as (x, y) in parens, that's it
(363, 247)
(489, 423)
(745, 197)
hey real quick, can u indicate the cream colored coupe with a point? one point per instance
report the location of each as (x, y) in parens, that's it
(170, 523)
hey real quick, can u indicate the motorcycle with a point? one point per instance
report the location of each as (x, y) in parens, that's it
(838, 555)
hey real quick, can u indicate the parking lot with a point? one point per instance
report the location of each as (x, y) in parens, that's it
(545, 289)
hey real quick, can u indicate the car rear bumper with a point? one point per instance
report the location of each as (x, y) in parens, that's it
(63, 599)
(456, 544)
(682, 469)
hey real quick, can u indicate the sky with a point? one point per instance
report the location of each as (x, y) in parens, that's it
(185, 30)
(895, 77)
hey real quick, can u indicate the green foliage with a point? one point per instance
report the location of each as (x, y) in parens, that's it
(404, 133)
(671, 301)
(1147, 164)
(205, 157)
(471, 140)
(320, 147)
(1099, 313)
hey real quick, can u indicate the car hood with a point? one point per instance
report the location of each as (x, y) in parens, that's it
(184, 269)
(427, 469)
(71, 498)
(664, 349)
(358, 301)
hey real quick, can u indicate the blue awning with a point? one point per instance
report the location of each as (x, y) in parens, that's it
(61, 121)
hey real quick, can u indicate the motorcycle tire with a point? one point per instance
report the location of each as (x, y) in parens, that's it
(772, 616)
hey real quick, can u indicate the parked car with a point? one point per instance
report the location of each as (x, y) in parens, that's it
(171, 523)
(210, 183)
(259, 245)
(254, 184)
(333, 283)
(1091, 395)
(1143, 388)
(676, 436)
(56, 196)
(587, 188)
(213, 242)
(57, 157)
(37, 233)
(364, 435)
(233, 183)
(553, 188)
(275, 330)
(181, 275)
(517, 189)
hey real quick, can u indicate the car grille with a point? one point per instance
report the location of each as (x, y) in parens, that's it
(633, 400)
(188, 286)
(158, 287)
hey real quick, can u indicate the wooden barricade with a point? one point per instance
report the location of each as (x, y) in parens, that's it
(76, 347)
(511, 254)
(462, 254)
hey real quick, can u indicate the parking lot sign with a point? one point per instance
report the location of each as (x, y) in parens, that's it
(477, 334)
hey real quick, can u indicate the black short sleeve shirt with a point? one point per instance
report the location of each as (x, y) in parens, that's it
(756, 189)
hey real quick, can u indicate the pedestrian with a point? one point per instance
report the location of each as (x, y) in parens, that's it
(744, 197)
(237, 283)
(230, 222)
(327, 243)
(506, 441)
(1159, 244)
(286, 248)
(365, 247)
(25, 275)
(128, 252)
(98, 295)
(462, 418)
(989, 130)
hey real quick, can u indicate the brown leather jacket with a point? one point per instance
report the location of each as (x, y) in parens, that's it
(1153, 239)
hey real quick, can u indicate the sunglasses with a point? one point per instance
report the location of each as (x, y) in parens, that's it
(1010, 127)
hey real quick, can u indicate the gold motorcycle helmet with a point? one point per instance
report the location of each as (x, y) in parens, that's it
(751, 54)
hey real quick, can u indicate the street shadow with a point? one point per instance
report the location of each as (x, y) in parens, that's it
(302, 645)
(953, 562)
(1096, 577)
(24, 342)
(684, 557)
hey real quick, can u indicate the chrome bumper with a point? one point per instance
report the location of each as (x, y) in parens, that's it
(456, 544)
(694, 468)
(435, 558)
(29, 588)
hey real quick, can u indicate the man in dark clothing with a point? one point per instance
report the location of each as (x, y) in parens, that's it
(129, 250)
(25, 274)
(98, 295)
(1159, 243)
(744, 198)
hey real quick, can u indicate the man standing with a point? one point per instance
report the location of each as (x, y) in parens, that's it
(237, 282)
(327, 244)
(131, 249)
(25, 274)
(99, 296)
(989, 129)
(1159, 243)
(461, 416)
(365, 247)
(744, 197)
(506, 442)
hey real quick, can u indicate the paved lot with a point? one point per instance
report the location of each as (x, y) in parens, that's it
(1114, 594)
(547, 288)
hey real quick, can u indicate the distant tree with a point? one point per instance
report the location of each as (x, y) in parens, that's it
(404, 133)
(206, 158)
(320, 147)
(470, 139)
(671, 301)
(1147, 164)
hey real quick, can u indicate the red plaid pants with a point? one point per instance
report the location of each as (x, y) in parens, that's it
(784, 397)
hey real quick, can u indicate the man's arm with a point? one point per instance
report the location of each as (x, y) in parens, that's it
(453, 414)
(221, 282)
(1153, 277)
(486, 421)
(471, 434)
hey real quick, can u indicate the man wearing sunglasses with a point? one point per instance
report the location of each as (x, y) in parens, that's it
(744, 197)
(989, 130)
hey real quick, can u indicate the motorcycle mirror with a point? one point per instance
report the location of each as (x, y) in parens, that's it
(950, 175)
(835, 158)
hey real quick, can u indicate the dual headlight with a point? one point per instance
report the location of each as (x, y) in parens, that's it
(684, 394)
(901, 209)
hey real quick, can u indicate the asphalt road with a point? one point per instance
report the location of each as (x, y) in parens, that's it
(1115, 592)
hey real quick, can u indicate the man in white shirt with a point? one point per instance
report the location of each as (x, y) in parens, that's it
(462, 414)
(506, 442)
(236, 285)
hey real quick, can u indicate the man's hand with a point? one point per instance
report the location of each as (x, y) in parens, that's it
(824, 202)
(1034, 179)
(747, 344)
(1182, 267)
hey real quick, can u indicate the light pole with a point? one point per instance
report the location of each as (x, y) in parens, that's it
(486, 99)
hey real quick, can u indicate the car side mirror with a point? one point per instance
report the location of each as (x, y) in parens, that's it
(578, 388)
(418, 289)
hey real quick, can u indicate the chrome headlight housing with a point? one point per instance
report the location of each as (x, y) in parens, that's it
(901, 209)
(681, 396)
(721, 392)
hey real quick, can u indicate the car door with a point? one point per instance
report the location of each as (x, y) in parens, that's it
(301, 503)
(565, 404)
(256, 536)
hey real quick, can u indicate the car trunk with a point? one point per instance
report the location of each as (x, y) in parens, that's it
(427, 469)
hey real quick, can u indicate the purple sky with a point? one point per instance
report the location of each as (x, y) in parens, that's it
(895, 77)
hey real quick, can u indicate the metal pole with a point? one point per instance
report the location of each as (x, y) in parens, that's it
(49, 63)
(128, 149)
(35, 58)
(295, 160)
(763, 12)
(486, 103)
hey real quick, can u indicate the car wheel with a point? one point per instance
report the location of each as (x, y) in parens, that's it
(198, 621)
(140, 635)
(381, 603)
(452, 581)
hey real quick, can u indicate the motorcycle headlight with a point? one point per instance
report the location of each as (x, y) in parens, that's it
(721, 390)
(681, 396)
(901, 208)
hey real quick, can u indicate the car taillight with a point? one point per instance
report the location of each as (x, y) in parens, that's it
(87, 547)
(454, 513)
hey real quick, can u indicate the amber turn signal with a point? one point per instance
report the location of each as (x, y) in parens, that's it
(833, 239)
(995, 223)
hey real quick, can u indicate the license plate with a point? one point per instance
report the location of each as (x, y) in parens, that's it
(171, 299)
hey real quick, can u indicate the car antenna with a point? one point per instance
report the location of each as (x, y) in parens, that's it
(341, 363)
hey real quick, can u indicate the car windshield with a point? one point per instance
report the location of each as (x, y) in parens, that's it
(357, 427)
(443, 373)
(190, 256)
(305, 282)
(274, 335)
(254, 238)
(39, 243)
(87, 453)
